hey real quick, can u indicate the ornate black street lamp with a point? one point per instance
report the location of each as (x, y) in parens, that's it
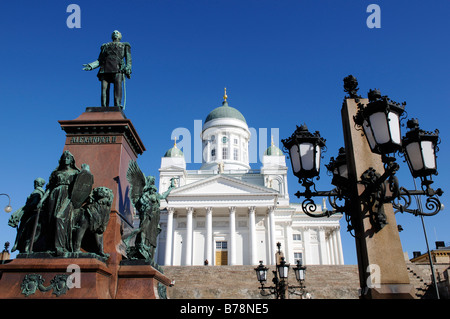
(380, 120)
(8, 207)
(305, 151)
(280, 278)
(420, 150)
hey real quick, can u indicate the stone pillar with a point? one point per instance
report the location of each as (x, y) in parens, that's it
(188, 256)
(289, 250)
(307, 259)
(339, 243)
(272, 243)
(169, 237)
(330, 249)
(209, 236)
(375, 248)
(107, 141)
(252, 235)
(335, 246)
(323, 247)
(232, 245)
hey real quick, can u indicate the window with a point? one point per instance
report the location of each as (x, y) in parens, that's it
(224, 139)
(298, 256)
(213, 152)
(224, 153)
(235, 141)
(222, 245)
(297, 236)
(235, 154)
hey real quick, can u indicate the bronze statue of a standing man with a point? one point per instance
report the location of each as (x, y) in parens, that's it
(114, 61)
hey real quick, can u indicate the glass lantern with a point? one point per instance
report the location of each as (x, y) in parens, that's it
(338, 167)
(380, 120)
(261, 272)
(283, 269)
(305, 151)
(300, 271)
(420, 150)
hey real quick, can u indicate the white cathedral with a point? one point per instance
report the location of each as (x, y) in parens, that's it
(226, 213)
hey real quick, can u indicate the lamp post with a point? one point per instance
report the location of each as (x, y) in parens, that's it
(281, 287)
(8, 207)
(367, 189)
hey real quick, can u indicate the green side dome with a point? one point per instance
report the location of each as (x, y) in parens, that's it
(174, 152)
(273, 151)
(225, 111)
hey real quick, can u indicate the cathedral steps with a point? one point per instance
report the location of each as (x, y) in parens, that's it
(239, 282)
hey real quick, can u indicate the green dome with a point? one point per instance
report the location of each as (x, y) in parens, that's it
(174, 152)
(225, 111)
(273, 151)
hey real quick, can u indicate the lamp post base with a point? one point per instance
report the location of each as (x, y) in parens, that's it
(387, 291)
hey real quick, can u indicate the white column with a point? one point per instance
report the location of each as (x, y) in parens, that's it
(334, 246)
(209, 238)
(333, 259)
(329, 248)
(252, 229)
(289, 250)
(272, 243)
(339, 243)
(169, 237)
(307, 240)
(337, 246)
(322, 247)
(188, 256)
(232, 244)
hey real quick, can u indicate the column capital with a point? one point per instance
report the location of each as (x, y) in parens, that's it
(190, 210)
(209, 209)
(251, 209)
(232, 209)
(170, 210)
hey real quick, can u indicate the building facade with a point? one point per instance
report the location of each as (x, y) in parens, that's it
(227, 213)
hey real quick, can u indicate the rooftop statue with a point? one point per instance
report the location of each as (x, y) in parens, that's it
(114, 62)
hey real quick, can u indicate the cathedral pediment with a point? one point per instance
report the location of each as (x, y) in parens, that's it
(221, 185)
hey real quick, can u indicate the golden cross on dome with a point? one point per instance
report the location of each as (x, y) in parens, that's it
(225, 96)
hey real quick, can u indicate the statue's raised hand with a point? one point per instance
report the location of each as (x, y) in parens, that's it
(87, 67)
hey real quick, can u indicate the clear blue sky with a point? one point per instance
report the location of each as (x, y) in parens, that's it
(282, 63)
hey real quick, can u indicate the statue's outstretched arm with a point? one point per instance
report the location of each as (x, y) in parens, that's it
(167, 192)
(96, 63)
(91, 66)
